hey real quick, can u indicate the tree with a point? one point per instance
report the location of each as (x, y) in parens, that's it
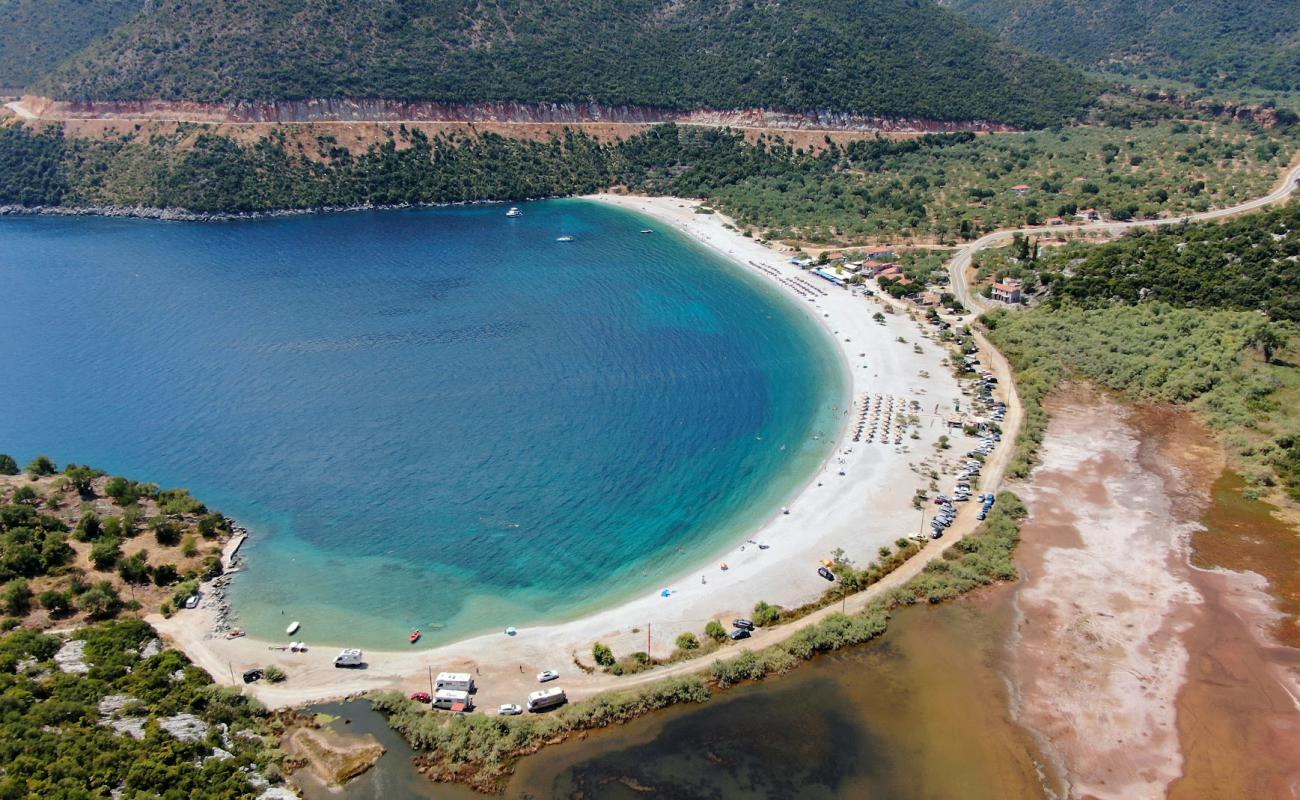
(715, 631)
(7, 465)
(687, 641)
(1267, 339)
(134, 569)
(101, 601)
(40, 466)
(603, 654)
(16, 599)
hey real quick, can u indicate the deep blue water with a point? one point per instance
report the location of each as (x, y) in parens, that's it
(438, 418)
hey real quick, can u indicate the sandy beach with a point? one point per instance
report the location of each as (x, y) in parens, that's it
(859, 501)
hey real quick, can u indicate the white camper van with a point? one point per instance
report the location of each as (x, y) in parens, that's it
(543, 699)
(452, 700)
(348, 658)
(460, 681)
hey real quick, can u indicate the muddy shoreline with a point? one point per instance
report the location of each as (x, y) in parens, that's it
(1146, 667)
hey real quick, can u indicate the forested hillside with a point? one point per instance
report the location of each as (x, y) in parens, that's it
(883, 57)
(37, 35)
(1202, 315)
(1215, 44)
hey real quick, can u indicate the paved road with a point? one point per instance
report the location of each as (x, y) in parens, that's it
(960, 263)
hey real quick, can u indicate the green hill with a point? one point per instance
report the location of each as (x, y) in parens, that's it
(37, 35)
(886, 57)
(1215, 44)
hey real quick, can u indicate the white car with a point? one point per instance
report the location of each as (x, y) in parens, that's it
(510, 710)
(547, 675)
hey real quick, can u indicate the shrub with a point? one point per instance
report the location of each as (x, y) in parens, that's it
(7, 465)
(603, 654)
(687, 641)
(166, 532)
(274, 674)
(105, 552)
(57, 603)
(165, 575)
(715, 631)
(40, 466)
(189, 547)
(766, 614)
(88, 528)
(101, 601)
(16, 598)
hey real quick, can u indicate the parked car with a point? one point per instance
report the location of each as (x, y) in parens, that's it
(743, 624)
(421, 697)
(738, 634)
(547, 675)
(825, 573)
(938, 533)
(510, 710)
(252, 675)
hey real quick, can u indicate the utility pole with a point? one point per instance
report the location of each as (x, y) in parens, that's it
(431, 680)
(231, 667)
(647, 638)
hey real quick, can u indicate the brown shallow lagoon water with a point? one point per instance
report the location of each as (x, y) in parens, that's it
(920, 713)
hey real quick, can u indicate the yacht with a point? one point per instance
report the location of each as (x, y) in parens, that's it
(564, 238)
(514, 212)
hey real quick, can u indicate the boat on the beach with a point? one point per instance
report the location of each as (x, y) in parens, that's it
(514, 212)
(415, 636)
(293, 627)
(565, 238)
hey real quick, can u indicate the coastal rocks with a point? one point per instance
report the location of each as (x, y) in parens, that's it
(71, 657)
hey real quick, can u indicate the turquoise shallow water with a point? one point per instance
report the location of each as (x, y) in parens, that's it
(439, 418)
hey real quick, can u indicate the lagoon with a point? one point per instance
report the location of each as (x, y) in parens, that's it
(435, 418)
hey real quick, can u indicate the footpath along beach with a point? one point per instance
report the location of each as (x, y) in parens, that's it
(859, 500)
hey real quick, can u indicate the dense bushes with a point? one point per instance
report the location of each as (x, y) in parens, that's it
(52, 742)
(1208, 359)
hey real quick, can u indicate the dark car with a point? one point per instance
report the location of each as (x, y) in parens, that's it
(825, 573)
(739, 633)
(743, 624)
(252, 675)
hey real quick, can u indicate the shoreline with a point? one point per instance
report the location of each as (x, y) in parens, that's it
(182, 215)
(875, 483)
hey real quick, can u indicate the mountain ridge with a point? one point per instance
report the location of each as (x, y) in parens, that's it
(887, 58)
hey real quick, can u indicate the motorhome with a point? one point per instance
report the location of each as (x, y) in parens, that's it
(460, 681)
(452, 700)
(543, 699)
(348, 658)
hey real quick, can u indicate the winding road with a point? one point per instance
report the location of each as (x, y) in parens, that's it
(959, 265)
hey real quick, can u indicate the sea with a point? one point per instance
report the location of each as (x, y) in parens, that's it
(441, 419)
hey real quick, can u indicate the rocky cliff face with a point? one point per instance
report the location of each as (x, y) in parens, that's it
(379, 110)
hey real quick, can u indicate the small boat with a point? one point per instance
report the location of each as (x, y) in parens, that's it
(293, 627)
(514, 212)
(415, 636)
(564, 238)
(646, 230)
